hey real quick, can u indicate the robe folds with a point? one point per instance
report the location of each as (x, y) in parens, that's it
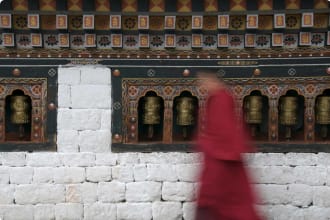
(225, 189)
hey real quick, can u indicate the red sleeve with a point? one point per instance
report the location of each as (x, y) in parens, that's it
(222, 138)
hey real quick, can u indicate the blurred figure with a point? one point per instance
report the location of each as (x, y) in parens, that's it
(225, 192)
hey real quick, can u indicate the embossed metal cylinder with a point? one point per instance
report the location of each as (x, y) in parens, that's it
(151, 108)
(185, 111)
(151, 115)
(323, 110)
(20, 109)
(253, 109)
(288, 110)
(323, 114)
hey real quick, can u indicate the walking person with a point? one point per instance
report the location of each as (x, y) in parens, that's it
(225, 191)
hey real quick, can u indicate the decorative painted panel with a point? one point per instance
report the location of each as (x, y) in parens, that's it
(157, 5)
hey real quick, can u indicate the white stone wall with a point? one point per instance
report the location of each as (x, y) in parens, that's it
(85, 181)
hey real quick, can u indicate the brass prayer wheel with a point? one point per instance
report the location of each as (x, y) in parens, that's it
(288, 113)
(323, 110)
(323, 114)
(20, 112)
(288, 110)
(151, 113)
(253, 109)
(185, 111)
(20, 109)
(185, 114)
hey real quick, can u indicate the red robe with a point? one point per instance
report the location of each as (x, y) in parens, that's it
(225, 188)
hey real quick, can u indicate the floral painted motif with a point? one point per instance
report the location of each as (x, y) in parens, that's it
(273, 90)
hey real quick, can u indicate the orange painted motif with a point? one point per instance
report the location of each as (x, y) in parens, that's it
(5, 20)
(157, 5)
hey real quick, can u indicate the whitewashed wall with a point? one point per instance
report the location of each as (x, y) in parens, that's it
(84, 180)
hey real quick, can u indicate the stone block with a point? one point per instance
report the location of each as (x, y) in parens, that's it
(86, 119)
(39, 194)
(94, 141)
(178, 191)
(113, 191)
(300, 195)
(167, 211)
(162, 172)
(189, 210)
(64, 96)
(7, 194)
(16, 212)
(134, 211)
(106, 159)
(321, 196)
(44, 212)
(43, 175)
(78, 159)
(69, 75)
(69, 175)
(188, 172)
(98, 174)
(123, 173)
(4, 175)
(14, 159)
(100, 211)
(69, 211)
(140, 172)
(95, 75)
(42, 159)
(143, 191)
(21, 175)
(90, 97)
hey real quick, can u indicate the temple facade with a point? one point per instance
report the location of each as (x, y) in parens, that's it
(99, 104)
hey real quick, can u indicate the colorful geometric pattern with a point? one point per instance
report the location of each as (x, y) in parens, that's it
(210, 23)
(102, 5)
(262, 41)
(48, 22)
(5, 20)
(210, 5)
(197, 41)
(183, 6)
(264, 5)
(144, 40)
(20, 22)
(23, 41)
(290, 40)
(250, 40)
(131, 42)
(88, 21)
(36, 40)
(236, 41)
(197, 22)
(75, 5)
(61, 21)
(252, 21)
(277, 39)
(90, 40)
(33, 21)
(156, 23)
(183, 23)
(237, 5)
(102, 22)
(321, 20)
(307, 19)
(156, 5)
(129, 5)
(75, 22)
(279, 21)
(293, 21)
(51, 41)
(318, 39)
(129, 22)
(292, 4)
(321, 4)
(305, 39)
(103, 41)
(20, 5)
(47, 5)
(265, 22)
(237, 22)
(77, 41)
(183, 42)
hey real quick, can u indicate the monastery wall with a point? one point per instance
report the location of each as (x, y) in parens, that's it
(84, 180)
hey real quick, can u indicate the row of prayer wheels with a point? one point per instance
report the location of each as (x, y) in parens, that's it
(288, 115)
(186, 109)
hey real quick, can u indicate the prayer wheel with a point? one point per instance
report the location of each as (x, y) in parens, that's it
(253, 112)
(323, 114)
(151, 115)
(185, 113)
(20, 112)
(288, 113)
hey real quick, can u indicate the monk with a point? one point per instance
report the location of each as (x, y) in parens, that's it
(225, 192)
